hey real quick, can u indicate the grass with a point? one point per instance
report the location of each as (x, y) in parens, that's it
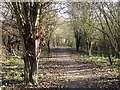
(12, 68)
(102, 63)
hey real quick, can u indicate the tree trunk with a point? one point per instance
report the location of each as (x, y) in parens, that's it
(108, 54)
(107, 50)
(48, 45)
(34, 71)
(54, 44)
(90, 49)
(89, 52)
(26, 69)
(30, 70)
(77, 39)
(30, 63)
(77, 47)
(110, 60)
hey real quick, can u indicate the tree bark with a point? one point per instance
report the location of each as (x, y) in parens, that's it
(30, 70)
(33, 72)
(77, 46)
(48, 45)
(89, 52)
(26, 69)
(110, 60)
(30, 62)
(28, 21)
(77, 39)
(90, 49)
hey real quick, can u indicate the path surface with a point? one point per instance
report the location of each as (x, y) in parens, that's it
(62, 70)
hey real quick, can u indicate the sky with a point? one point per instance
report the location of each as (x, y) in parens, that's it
(63, 9)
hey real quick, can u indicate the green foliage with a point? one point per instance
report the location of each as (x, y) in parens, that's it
(11, 70)
(101, 63)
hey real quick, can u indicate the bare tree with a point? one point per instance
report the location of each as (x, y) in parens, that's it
(30, 17)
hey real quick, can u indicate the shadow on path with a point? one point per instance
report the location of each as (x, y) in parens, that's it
(62, 70)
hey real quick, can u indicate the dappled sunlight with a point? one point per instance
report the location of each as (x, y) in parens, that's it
(63, 70)
(54, 44)
(81, 71)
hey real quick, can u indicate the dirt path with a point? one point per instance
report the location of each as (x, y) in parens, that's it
(62, 70)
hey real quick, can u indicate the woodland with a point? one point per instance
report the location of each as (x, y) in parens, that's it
(60, 44)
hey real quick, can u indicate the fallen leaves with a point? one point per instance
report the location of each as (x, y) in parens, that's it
(74, 71)
(71, 70)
